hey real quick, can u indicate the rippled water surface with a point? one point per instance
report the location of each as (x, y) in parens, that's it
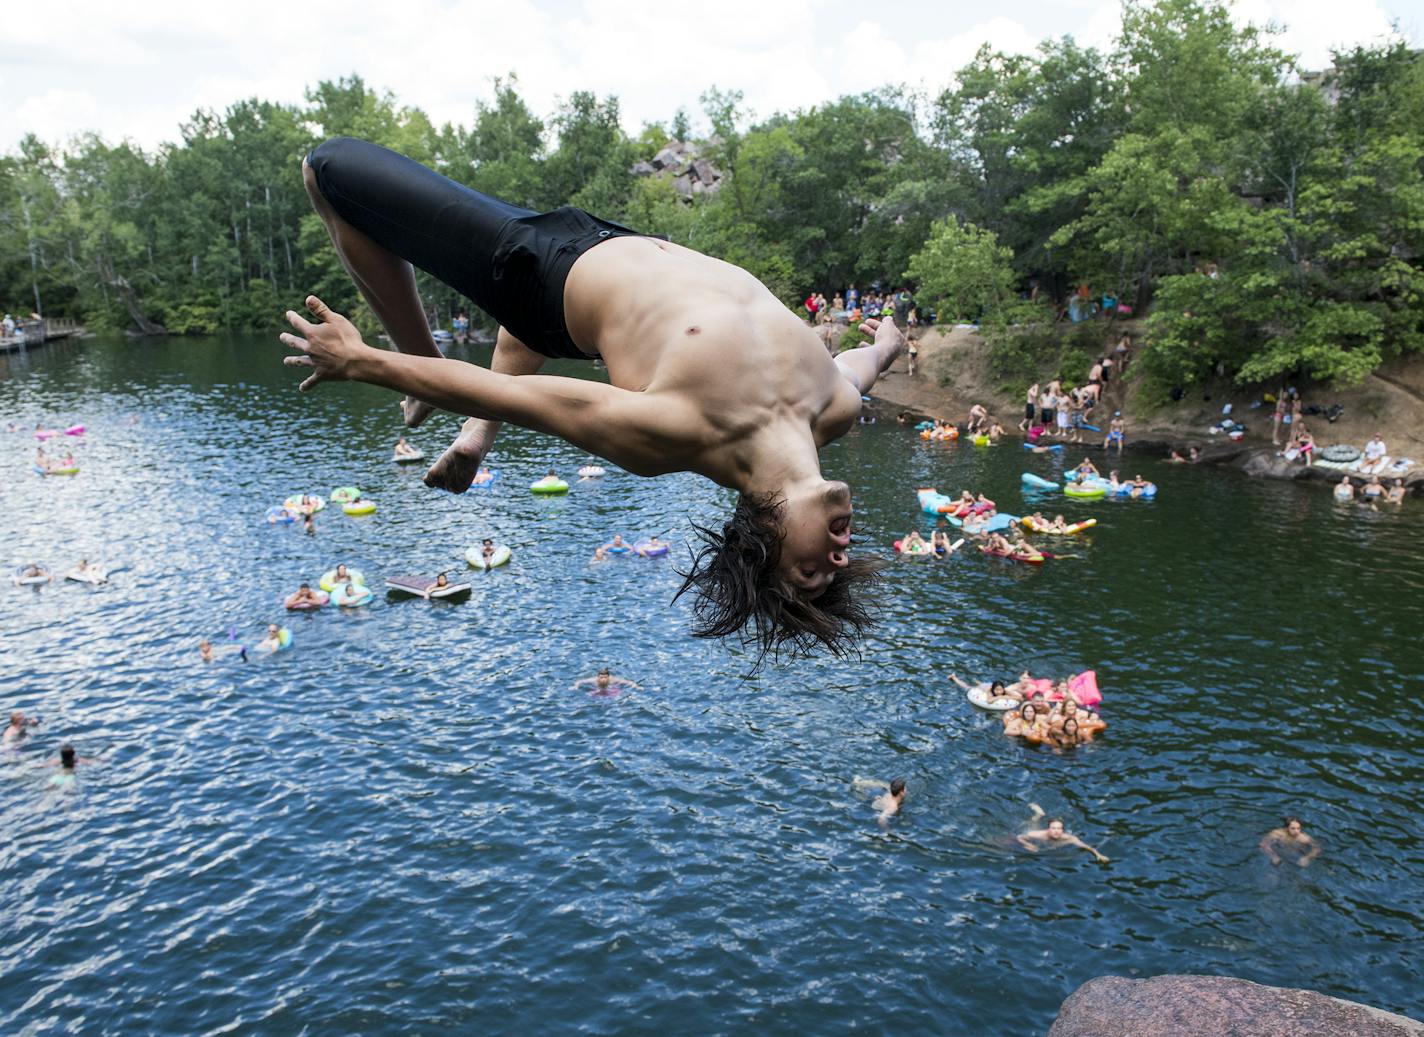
(410, 823)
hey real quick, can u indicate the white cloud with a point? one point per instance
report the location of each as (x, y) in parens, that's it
(139, 70)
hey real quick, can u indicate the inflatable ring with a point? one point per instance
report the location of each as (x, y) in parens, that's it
(351, 595)
(69, 470)
(592, 471)
(328, 579)
(1084, 491)
(419, 455)
(294, 503)
(979, 696)
(1341, 452)
(549, 486)
(648, 550)
(478, 484)
(981, 440)
(277, 515)
(475, 556)
(344, 494)
(21, 580)
(364, 507)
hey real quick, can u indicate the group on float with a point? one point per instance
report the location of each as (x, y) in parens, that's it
(1042, 711)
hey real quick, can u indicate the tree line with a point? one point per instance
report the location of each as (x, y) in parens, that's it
(1266, 219)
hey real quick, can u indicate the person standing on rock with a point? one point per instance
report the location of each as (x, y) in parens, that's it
(1289, 842)
(1116, 434)
(1030, 404)
(1278, 418)
(708, 372)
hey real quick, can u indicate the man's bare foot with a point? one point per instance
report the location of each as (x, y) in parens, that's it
(415, 411)
(456, 467)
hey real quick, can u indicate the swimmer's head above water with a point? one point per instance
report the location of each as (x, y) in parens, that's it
(779, 573)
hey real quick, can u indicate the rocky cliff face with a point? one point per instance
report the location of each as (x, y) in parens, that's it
(1217, 1006)
(682, 163)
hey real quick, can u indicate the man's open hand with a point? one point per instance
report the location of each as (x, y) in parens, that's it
(885, 333)
(328, 347)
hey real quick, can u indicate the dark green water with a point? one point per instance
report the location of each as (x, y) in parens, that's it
(410, 822)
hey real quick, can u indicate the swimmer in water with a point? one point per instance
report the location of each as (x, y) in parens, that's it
(205, 649)
(1053, 836)
(308, 523)
(342, 575)
(487, 551)
(442, 581)
(646, 551)
(607, 684)
(890, 801)
(1290, 841)
(404, 449)
(483, 477)
(67, 762)
(15, 732)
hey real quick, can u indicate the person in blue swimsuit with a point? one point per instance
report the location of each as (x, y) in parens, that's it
(1115, 433)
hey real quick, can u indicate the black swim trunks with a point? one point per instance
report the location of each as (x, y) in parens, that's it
(509, 261)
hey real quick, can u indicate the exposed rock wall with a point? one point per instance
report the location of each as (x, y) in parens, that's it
(1217, 1006)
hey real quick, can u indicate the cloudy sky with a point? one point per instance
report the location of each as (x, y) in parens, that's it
(138, 70)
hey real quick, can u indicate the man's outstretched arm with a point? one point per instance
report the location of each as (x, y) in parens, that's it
(510, 357)
(639, 432)
(864, 365)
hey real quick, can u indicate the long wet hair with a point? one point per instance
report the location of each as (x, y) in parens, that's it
(740, 593)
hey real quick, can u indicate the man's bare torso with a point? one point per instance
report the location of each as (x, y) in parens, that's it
(671, 321)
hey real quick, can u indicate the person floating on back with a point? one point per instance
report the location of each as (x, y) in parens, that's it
(709, 373)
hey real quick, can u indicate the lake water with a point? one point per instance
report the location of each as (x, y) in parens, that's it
(410, 822)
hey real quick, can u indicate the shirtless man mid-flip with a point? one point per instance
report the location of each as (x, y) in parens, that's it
(710, 373)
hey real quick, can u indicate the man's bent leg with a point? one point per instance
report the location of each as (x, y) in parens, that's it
(388, 284)
(457, 466)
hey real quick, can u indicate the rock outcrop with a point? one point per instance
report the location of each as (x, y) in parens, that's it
(1216, 1006)
(682, 163)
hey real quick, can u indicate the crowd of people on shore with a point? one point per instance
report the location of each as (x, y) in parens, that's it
(852, 307)
(1055, 411)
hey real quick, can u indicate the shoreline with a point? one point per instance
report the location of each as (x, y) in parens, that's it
(960, 355)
